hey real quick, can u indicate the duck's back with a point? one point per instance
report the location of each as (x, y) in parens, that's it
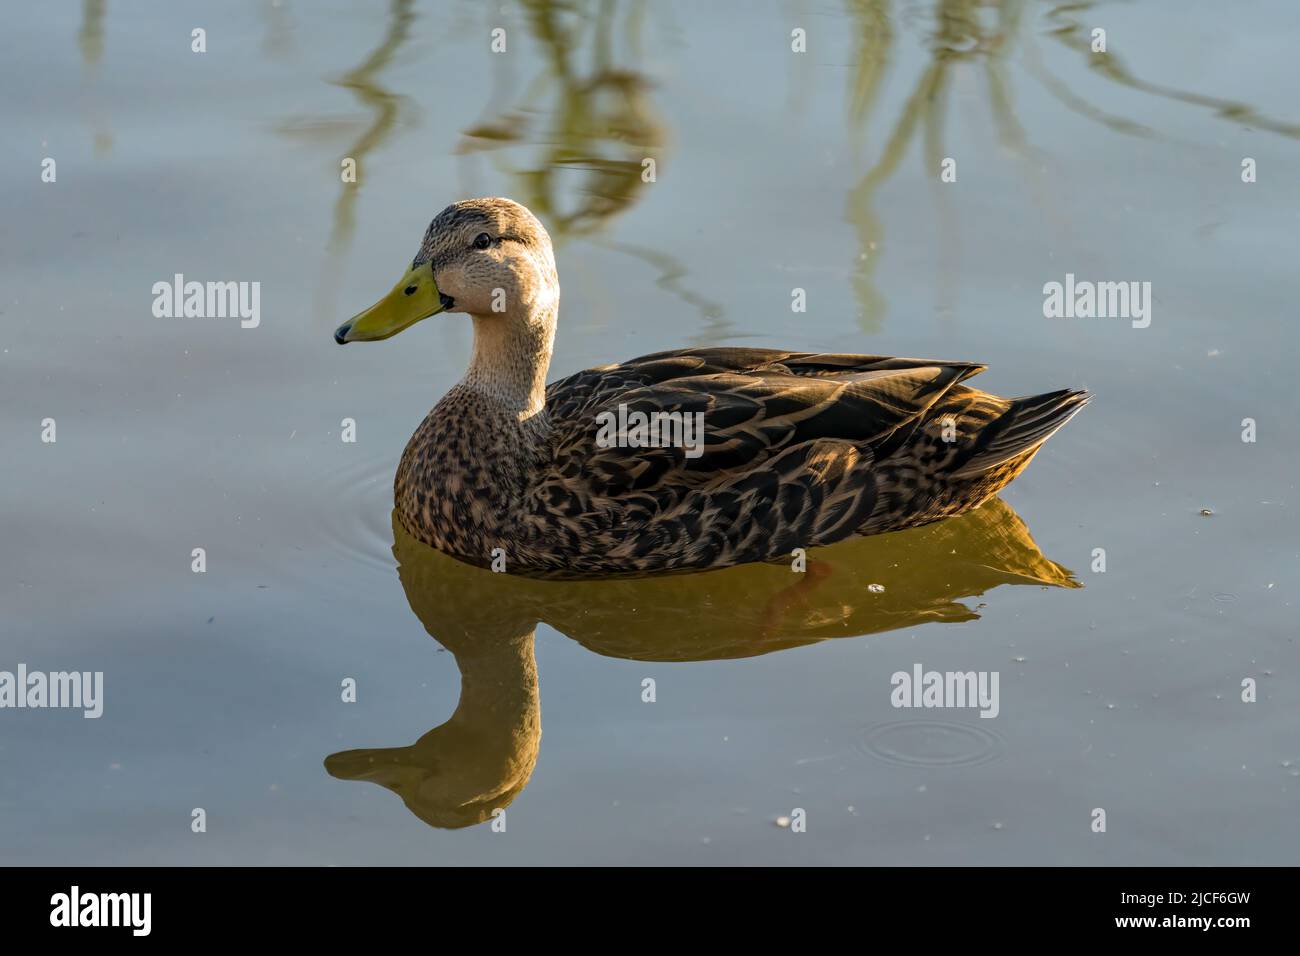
(797, 450)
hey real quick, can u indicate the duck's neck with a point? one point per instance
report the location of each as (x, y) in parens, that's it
(511, 355)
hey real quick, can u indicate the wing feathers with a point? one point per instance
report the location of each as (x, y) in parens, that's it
(792, 452)
(1026, 424)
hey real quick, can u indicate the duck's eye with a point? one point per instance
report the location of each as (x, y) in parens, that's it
(482, 241)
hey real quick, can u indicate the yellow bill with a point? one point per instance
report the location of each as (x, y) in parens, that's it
(415, 297)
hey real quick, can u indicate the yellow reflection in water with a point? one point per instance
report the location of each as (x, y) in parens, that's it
(963, 32)
(587, 121)
(580, 141)
(482, 757)
(1067, 29)
(983, 33)
(90, 41)
(90, 38)
(385, 107)
(575, 142)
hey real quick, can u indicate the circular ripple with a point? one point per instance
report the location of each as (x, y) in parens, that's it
(359, 519)
(931, 743)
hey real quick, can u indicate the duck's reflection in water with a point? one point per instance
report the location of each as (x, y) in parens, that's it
(481, 759)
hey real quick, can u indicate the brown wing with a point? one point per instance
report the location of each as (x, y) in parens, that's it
(789, 443)
(572, 396)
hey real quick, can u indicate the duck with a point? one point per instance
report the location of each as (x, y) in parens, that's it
(797, 450)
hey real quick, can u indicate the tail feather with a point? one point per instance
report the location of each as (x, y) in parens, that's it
(1024, 426)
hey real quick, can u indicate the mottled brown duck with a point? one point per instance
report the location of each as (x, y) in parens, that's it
(796, 449)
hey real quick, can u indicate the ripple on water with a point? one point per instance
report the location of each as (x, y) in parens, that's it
(931, 743)
(358, 521)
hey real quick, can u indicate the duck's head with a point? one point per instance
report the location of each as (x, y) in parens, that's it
(484, 257)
